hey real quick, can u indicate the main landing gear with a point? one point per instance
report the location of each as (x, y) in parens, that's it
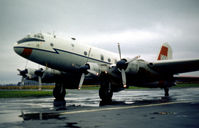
(105, 91)
(166, 91)
(59, 91)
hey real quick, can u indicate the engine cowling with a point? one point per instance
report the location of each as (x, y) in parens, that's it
(94, 67)
(31, 74)
(132, 68)
(51, 72)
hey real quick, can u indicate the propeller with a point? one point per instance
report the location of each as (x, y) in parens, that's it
(39, 74)
(23, 73)
(81, 80)
(93, 72)
(84, 69)
(40, 84)
(122, 64)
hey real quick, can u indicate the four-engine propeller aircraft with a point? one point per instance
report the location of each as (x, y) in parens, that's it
(74, 63)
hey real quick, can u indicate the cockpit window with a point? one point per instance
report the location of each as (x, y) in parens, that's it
(29, 38)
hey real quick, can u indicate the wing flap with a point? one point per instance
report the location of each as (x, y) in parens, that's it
(175, 66)
(186, 78)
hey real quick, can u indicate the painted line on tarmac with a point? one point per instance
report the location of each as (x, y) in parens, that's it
(125, 107)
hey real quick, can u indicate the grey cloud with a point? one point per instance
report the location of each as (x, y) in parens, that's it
(176, 21)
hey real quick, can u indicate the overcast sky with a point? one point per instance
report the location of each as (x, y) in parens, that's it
(141, 26)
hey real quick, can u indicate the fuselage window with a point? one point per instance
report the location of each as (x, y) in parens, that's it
(102, 57)
(85, 53)
(109, 60)
(73, 38)
(51, 44)
(72, 45)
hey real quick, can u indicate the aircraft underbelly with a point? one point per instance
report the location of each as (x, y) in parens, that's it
(62, 61)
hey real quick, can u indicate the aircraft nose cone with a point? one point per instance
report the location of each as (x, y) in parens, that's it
(18, 50)
(22, 51)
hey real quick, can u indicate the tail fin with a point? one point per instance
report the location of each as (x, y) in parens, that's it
(165, 52)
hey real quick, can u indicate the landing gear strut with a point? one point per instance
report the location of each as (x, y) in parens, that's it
(166, 91)
(105, 91)
(59, 91)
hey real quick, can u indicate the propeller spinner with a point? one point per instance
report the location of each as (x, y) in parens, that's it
(122, 64)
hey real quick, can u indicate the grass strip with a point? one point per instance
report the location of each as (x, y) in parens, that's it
(186, 85)
(24, 93)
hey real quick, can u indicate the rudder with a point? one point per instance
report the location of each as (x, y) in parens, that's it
(165, 52)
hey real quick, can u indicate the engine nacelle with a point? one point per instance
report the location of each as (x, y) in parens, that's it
(50, 75)
(132, 68)
(31, 74)
(51, 72)
(94, 67)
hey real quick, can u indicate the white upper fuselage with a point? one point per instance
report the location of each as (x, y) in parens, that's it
(60, 53)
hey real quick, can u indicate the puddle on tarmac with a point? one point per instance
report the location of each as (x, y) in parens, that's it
(41, 116)
(164, 113)
(71, 125)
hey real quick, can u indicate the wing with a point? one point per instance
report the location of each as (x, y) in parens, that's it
(175, 66)
(186, 78)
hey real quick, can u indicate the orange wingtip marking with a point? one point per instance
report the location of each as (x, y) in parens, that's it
(163, 51)
(27, 52)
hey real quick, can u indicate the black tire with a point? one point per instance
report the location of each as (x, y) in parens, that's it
(59, 93)
(166, 91)
(105, 91)
(105, 94)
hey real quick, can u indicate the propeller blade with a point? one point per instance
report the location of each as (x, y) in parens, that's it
(81, 80)
(22, 81)
(135, 58)
(93, 72)
(45, 72)
(123, 78)
(39, 80)
(119, 50)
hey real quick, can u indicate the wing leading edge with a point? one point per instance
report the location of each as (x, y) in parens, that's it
(175, 66)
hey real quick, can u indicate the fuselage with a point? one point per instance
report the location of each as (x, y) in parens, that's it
(65, 54)
(68, 55)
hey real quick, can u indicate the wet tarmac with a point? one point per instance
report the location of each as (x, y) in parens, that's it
(83, 109)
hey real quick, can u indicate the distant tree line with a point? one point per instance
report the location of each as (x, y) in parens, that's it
(26, 82)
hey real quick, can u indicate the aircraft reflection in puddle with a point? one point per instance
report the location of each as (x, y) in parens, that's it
(40, 116)
(46, 116)
(59, 104)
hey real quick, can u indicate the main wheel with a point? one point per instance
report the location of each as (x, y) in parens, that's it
(105, 94)
(105, 91)
(166, 91)
(59, 92)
